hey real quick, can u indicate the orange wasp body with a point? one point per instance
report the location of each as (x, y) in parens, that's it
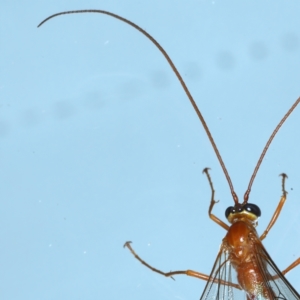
(243, 266)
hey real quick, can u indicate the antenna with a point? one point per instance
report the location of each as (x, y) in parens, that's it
(246, 196)
(161, 49)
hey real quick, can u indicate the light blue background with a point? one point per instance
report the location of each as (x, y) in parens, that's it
(99, 144)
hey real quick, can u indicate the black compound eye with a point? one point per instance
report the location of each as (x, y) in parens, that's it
(229, 211)
(253, 209)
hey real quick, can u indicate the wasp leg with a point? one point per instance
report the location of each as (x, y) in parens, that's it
(213, 202)
(186, 272)
(278, 209)
(289, 268)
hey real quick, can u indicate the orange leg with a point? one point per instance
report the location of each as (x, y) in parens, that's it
(291, 266)
(213, 202)
(273, 221)
(172, 273)
(278, 209)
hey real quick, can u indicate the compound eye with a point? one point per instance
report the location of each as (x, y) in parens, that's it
(253, 209)
(229, 211)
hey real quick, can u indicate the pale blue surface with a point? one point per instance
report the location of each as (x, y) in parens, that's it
(99, 144)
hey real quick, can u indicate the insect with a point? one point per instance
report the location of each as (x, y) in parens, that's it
(243, 266)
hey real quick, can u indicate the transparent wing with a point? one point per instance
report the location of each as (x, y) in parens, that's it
(274, 279)
(222, 283)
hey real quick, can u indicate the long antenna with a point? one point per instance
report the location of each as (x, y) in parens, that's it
(246, 196)
(161, 49)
